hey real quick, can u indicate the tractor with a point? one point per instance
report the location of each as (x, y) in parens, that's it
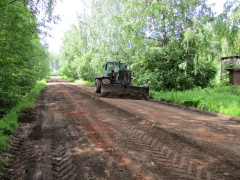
(116, 77)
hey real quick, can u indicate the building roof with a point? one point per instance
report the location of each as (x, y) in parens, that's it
(230, 57)
(233, 69)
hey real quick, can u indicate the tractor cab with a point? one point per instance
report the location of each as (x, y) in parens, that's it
(113, 67)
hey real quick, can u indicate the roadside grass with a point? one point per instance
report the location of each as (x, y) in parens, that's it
(220, 99)
(68, 78)
(9, 123)
(80, 81)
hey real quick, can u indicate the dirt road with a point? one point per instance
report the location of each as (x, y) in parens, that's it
(73, 133)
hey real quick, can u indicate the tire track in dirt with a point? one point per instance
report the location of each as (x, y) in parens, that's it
(56, 159)
(91, 133)
(78, 135)
(63, 168)
(39, 149)
(21, 158)
(52, 159)
(101, 137)
(142, 143)
(167, 157)
(15, 167)
(164, 155)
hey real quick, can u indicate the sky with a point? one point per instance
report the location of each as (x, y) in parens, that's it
(68, 10)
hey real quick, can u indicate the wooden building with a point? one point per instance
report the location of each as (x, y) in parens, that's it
(232, 66)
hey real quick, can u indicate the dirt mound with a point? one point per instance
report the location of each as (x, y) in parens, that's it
(125, 94)
(28, 116)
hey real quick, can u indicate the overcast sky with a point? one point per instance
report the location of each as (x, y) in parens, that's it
(68, 11)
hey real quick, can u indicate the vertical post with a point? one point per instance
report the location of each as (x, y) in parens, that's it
(125, 77)
(221, 71)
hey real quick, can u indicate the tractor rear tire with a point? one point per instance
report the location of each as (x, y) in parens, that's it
(97, 85)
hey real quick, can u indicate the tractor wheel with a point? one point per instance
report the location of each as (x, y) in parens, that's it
(97, 85)
(106, 81)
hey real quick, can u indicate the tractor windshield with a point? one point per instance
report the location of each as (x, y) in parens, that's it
(114, 66)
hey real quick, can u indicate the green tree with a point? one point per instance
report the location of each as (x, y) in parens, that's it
(23, 59)
(170, 44)
(227, 29)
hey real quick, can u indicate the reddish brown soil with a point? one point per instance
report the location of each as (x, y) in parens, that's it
(74, 133)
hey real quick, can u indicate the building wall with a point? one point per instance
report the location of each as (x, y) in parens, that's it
(232, 65)
(236, 77)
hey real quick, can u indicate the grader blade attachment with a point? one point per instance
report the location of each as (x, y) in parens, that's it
(117, 87)
(111, 88)
(143, 90)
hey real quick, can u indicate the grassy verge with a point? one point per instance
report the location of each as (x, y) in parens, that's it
(85, 82)
(80, 81)
(68, 78)
(222, 99)
(9, 123)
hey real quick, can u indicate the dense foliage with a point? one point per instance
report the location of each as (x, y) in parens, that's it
(171, 44)
(23, 59)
